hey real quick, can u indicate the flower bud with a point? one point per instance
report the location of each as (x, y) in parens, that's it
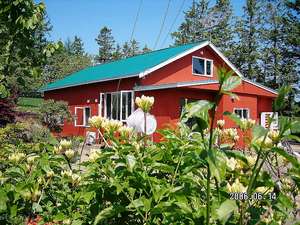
(221, 123)
(96, 121)
(70, 153)
(236, 187)
(65, 144)
(144, 102)
(31, 159)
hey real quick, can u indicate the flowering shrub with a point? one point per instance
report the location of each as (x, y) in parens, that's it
(189, 178)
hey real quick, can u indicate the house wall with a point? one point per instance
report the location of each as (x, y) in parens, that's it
(86, 95)
(167, 101)
(181, 69)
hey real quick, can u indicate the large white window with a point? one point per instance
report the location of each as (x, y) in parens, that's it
(243, 113)
(82, 115)
(202, 67)
(116, 105)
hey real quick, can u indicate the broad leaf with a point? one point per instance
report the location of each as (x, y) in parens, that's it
(230, 83)
(226, 209)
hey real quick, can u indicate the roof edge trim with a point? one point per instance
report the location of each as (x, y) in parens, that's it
(90, 82)
(173, 85)
(260, 86)
(160, 65)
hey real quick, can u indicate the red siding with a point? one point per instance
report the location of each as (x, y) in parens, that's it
(181, 69)
(167, 102)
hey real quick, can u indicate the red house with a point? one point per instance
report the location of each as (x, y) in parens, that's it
(173, 76)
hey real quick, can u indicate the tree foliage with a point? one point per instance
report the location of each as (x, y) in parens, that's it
(69, 59)
(53, 114)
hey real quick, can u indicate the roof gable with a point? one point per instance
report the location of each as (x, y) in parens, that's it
(124, 68)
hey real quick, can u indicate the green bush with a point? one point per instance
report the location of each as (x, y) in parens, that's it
(188, 178)
(54, 113)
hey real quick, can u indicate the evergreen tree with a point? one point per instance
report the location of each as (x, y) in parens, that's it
(202, 22)
(117, 54)
(222, 31)
(194, 27)
(68, 46)
(146, 49)
(77, 46)
(106, 43)
(126, 50)
(131, 48)
(134, 48)
(246, 54)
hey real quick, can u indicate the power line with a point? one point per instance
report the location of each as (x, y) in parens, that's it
(136, 19)
(162, 25)
(176, 17)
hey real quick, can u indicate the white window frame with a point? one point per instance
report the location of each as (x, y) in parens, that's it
(205, 67)
(248, 110)
(84, 116)
(103, 96)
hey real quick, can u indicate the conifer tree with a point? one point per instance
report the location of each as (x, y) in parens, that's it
(106, 43)
(77, 46)
(146, 49)
(246, 54)
(117, 54)
(204, 22)
(194, 26)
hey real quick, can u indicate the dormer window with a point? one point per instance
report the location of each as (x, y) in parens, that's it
(202, 67)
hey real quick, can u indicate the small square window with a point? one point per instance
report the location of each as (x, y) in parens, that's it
(202, 67)
(198, 66)
(242, 113)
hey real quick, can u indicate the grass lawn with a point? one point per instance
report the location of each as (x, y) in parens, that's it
(26, 104)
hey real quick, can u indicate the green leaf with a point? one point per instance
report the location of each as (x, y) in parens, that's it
(258, 131)
(108, 213)
(199, 112)
(279, 102)
(233, 117)
(131, 161)
(231, 83)
(293, 160)
(226, 209)
(163, 167)
(3, 200)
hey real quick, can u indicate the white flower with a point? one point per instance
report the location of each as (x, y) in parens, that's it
(268, 143)
(94, 155)
(67, 173)
(65, 144)
(144, 102)
(96, 121)
(231, 163)
(236, 187)
(49, 173)
(16, 157)
(273, 135)
(31, 159)
(251, 160)
(263, 189)
(112, 125)
(221, 123)
(75, 179)
(125, 131)
(70, 153)
(247, 124)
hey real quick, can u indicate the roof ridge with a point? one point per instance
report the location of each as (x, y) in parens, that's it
(145, 53)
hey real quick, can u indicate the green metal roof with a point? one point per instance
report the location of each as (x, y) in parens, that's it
(123, 68)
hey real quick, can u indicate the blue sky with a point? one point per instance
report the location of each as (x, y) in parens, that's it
(85, 18)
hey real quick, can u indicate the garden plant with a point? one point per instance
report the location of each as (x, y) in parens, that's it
(194, 175)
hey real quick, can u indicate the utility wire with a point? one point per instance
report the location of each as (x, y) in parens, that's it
(171, 28)
(136, 19)
(162, 25)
